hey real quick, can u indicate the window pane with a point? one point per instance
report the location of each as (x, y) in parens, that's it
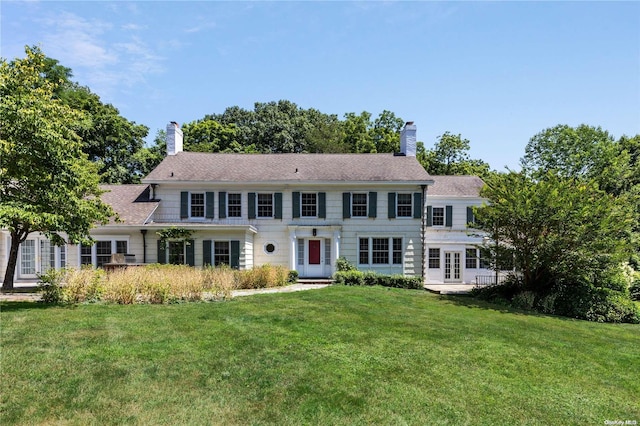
(397, 251)
(300, 251)
(327, 251)
(63, 256)
(221, 253)
(197, 205)
(121, 247)
(404, 206)
(438, 216)
(85, 255)
(471, 261)
(434, 258)
(265, 205)
(176, 252)
(359, 205)
(380, 251)
(28, 257)
(47, 256)
(363, 259)
(234, 205)
(309, 205)
(103, 252)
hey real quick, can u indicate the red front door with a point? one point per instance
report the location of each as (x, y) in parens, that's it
(314, 252)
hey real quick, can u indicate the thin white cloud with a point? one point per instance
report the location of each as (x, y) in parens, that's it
(102, 56)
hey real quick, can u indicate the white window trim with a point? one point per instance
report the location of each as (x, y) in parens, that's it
(302, 209)
(398, 205)
(227, 205)
(444, 216)
(273, 205)
(390, 238)
(94, 254)
(366, 212)
(204, 205)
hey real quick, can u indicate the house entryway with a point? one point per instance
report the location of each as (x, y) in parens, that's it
(452, 267)
(314, 257)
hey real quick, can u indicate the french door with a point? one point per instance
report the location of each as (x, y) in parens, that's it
(452, 266)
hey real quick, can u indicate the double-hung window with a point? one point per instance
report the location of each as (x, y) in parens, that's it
(434, 258)
(471, 258)
(197, 204)
(234, 205)
(309, 204)
(380, 251)
(221, 253)
(100, 253)
(265, 205)
(404, 206)
(359, 205)
(438, 216)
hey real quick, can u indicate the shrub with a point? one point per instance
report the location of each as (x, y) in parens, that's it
(546, 304)
(49, 284)
(342, 264)
(293, 277)
(524, 300)
(349, 277)
(83, 285)
(371, 278)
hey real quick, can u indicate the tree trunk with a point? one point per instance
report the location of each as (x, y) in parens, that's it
(9, 274)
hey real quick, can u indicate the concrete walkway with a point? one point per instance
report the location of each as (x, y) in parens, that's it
(450, 288)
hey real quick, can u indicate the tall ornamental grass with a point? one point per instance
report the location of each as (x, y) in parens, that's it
(155, 284)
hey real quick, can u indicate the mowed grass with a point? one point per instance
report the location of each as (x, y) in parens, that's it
(340, 355)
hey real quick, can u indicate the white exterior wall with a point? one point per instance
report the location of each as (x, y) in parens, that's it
(454, 239)
(342, 234)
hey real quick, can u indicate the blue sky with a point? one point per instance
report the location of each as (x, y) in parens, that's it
(496, 72)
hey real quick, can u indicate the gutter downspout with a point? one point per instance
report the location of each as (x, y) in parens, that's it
(144, 245)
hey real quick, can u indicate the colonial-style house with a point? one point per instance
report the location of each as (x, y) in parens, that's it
(383, 212)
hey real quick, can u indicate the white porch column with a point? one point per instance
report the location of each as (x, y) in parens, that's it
(336, 249)
(293, 250)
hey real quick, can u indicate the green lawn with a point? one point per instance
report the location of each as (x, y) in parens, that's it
(340, 355)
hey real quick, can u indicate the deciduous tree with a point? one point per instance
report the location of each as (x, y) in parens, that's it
(47, 184)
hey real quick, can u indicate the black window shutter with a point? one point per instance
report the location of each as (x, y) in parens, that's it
(222, 205)
(322, 205)
(252, 205)
(209, 203)
(206, 252)
(184, 205)
(391, 207)
(190, 249)
(296, 205)
(448, 216)
(429, 216)
(470, 217)
(417, 205)
(162, 252)
(277, 199)
(235, 254)
(373, 204)
(346, 205)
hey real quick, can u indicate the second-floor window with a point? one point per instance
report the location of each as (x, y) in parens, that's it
(404, 206)
(359, 205)
(265, 205)
(309, 205)
(234, 205)
(438, 216)
(197, 204)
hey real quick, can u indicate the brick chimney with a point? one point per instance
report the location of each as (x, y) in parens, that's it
(408, 139)
(174, 138)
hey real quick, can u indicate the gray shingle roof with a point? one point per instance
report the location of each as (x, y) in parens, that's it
(456, 186)
(193, 166)
(131, 202)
